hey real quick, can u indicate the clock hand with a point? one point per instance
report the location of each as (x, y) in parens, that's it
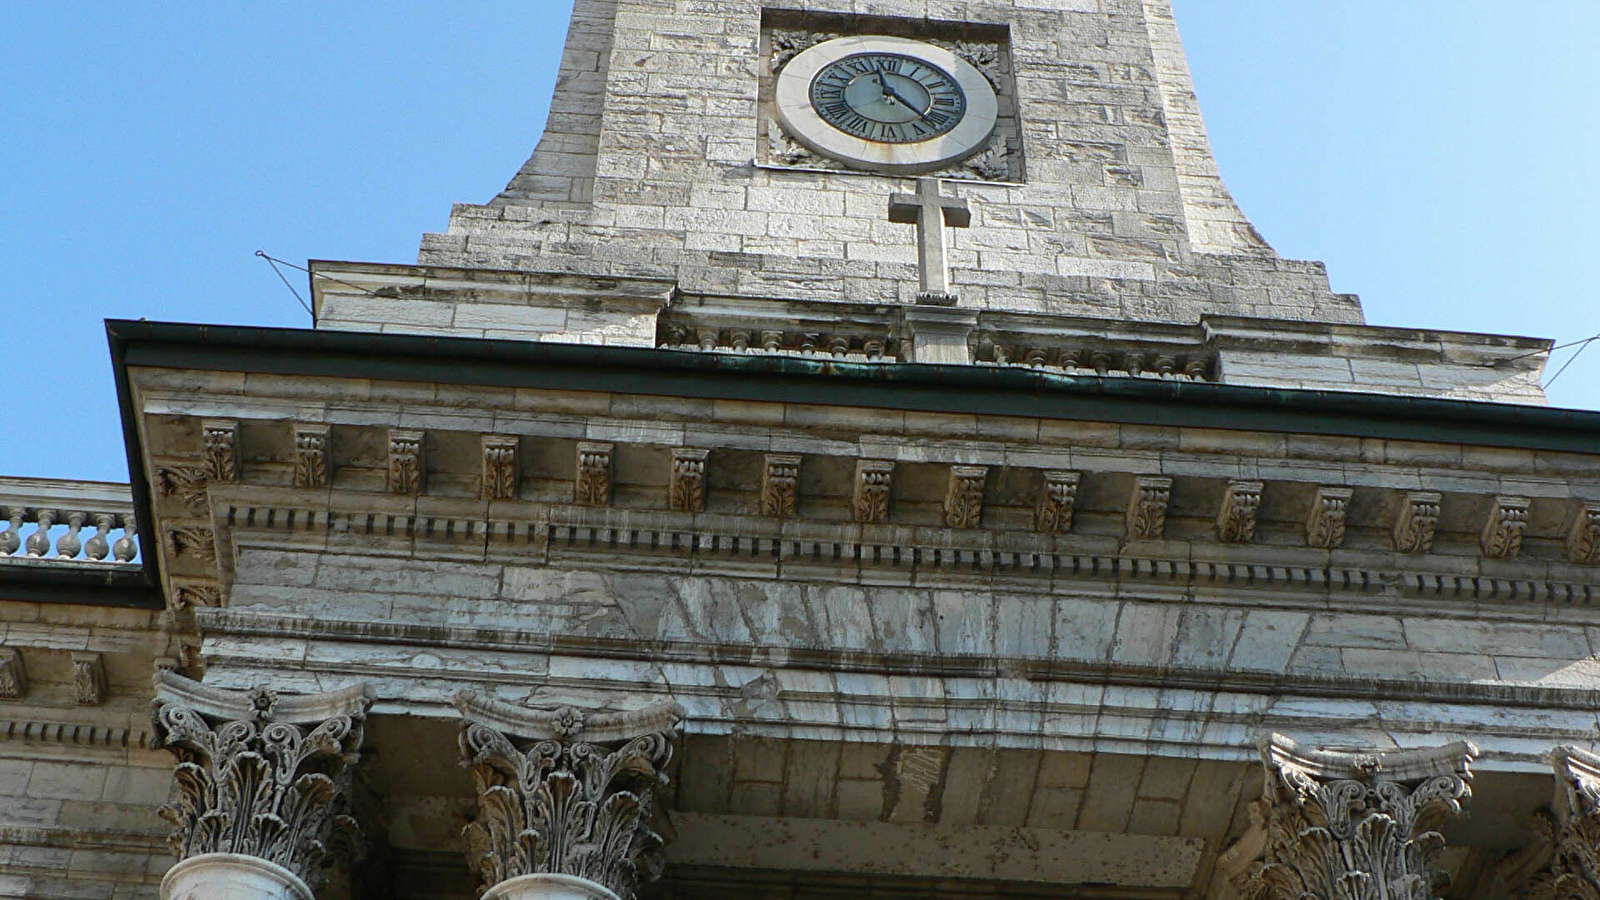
(892, 94)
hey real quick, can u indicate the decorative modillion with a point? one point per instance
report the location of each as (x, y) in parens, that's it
(780, 478)
(219, 444)
(1236, 521)
(1583, 543)
(592, 483)
(1058, 497)
(1502, 535)
(870, 504)
(88, 678)
(1325, 523)
(1147, 508)
(13, 676)
(500, 471)
(405, 468)
(311, 456)
(686, 482)
(1419, 516)
(963, 498)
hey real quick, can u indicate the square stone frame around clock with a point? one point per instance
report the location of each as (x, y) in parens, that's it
(785, 33)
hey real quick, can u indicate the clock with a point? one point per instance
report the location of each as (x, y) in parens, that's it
(886, 104)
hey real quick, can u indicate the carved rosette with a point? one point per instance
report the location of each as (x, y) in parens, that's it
(13, 677)
(311, 456)
(219, 440)
(1057, 500)
(565, 792)
(870, 503)
(963, 497)
(1336, 825)
(780, 485)
(1573, 872)
(499, 467)
(405, 468)
(1419, 516)
(1583, 544)
(1508, 519)
(1147, 509)
(261, 774)
(1236, 521)
(1325, 523)
(686, 486)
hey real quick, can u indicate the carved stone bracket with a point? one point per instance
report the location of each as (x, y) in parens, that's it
(963, 498)
(1573, 871)
(88, 678)
(1334, 825)
(1325, 523)
(13, 677)
(219, 443)
(1502, 536)
(592, 484)
(870, 504)
(188, 593)
(780, 485)
(566, 792)
(1057, 499)
(311, 456)
(405, 470)
(686, 483)
(1147, 508)
(1583, 544)
(1236, 521)
(186, 483)
(261, 774)
(1419, 515)
(500, 472)
(193, 541)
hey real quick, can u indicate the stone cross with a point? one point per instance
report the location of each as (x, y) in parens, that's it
(931, 211)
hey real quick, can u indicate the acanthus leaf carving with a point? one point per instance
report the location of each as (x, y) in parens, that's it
(311, 469)
(780, 485)
(1419, 516)
(404, 474)
(188, 593)
(1583, 544)
(1350, 826)
(1147, 508)
(1572, 834)
(261, 775)
(963, 500)
(197, 541)
(564, 792)
(686, 486)
(1502, 535)
(186, 483)
(13, 676)
(870, 503)
(592, 484)
(219, 440)
(500, 467)
(1326, 522)
(1236, 521)
(88, 678)
(1057, 500)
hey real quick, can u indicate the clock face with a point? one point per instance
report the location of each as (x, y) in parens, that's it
(888, 97)
(886, 104)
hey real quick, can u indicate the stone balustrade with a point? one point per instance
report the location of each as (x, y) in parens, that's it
(71, 522)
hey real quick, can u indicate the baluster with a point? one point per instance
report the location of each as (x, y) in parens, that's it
(39, 542)
(10, 539)
(127, 546)
(70, 544)
(98, 547)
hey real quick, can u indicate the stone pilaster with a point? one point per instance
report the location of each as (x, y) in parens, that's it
(263, 787)
(1336, 825)
(565, 797)
(1573, 872)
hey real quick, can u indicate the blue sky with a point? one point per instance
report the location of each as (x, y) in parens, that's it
(1439, 155)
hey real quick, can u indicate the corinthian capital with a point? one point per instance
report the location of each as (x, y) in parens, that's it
(259, 775)
(565, 795)
(1353, 826)
(1573, 872)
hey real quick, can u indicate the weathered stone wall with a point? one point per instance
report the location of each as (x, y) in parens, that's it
(1121, 214)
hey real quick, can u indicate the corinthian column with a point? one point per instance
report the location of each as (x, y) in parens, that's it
(263, 787)
(1574, 833)
(1336, 825)
(565, 798)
